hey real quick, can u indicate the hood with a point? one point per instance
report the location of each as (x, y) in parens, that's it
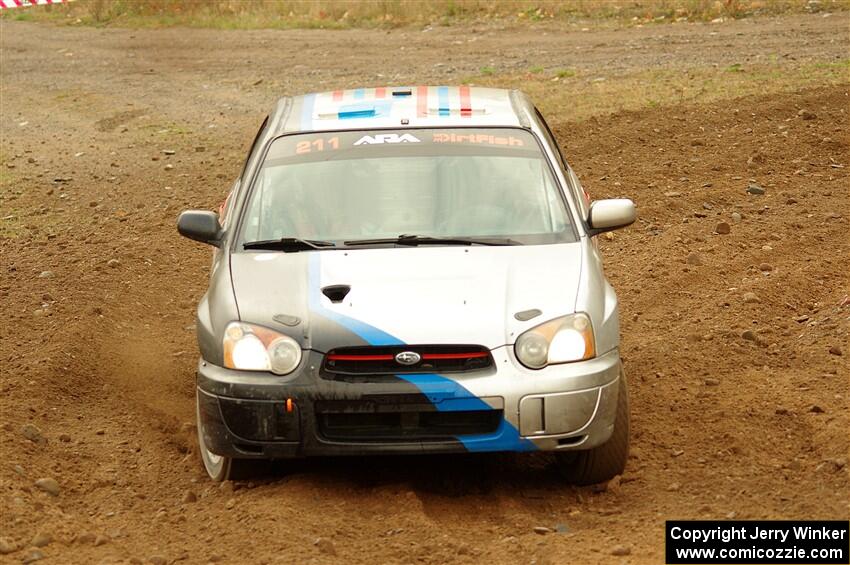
(411, 295)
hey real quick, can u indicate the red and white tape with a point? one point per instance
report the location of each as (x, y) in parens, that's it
(4, 4)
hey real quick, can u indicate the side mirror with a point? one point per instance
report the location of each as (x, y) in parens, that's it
(607, 215)
(200, 225)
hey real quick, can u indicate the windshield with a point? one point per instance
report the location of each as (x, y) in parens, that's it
(439, 183)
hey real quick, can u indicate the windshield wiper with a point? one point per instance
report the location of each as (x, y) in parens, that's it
(289, 244)
(413, 240)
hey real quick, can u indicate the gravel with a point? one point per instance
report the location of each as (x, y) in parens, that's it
(7, 546)
(621, 550)
(32, 556)
(694, 259)
(32, 433)
(751, 298)
(41, 539)
(48, 485)
(325, 545)
(723, 228)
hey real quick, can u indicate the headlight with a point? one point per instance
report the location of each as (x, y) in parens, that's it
(254, 348)
(561, 340)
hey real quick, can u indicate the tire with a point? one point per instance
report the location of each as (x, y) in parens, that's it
(604, 462)
(222, 468)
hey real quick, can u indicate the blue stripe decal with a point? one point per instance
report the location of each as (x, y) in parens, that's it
(376, 109)
(307, 112)
(370, 334)
(443, 98)
(445, 394)
(348, 114)
(359, 94)
(448, 396)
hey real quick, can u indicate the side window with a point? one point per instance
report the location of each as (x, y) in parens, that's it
(580, 195)
(551, 138)
(225, 208)
(252, 153)
(584, 197)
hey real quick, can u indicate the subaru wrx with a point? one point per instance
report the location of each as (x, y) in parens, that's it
(409, 270)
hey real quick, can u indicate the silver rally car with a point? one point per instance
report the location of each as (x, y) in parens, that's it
(409, 270)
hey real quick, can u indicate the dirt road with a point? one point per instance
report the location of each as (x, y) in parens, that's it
(736, 344)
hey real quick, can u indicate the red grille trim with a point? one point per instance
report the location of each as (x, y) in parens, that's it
(426, 356)
(339, 357)
(381, 360)
(470, 355)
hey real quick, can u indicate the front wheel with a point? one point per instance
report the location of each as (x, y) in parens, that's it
(219, 467)
(605, 461)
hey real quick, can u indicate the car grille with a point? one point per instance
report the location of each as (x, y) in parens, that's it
(382, 360)
(366, 421)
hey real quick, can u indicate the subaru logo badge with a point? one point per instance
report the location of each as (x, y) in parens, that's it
(408, 358)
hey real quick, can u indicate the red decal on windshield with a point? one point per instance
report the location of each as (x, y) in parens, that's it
(319, 144)
(422, 101)
(465, 102)
(479, 139)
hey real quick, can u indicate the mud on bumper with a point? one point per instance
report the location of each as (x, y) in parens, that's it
(508, 408)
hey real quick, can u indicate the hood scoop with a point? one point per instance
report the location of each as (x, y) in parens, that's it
(336, 293)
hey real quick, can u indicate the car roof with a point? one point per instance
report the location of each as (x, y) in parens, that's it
(401, 107)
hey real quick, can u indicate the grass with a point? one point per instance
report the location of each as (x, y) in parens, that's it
(337, 14)
(6, 178)
(166, 129)
(586, 96)
(11, 228)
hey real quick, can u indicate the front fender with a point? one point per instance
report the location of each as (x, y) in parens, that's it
(216, 309)
(598, 299)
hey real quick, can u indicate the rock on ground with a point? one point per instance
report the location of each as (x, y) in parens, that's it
(32, 433)
(48, 485)
(621, 550)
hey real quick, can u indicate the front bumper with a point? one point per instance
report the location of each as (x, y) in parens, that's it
(509, 408)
